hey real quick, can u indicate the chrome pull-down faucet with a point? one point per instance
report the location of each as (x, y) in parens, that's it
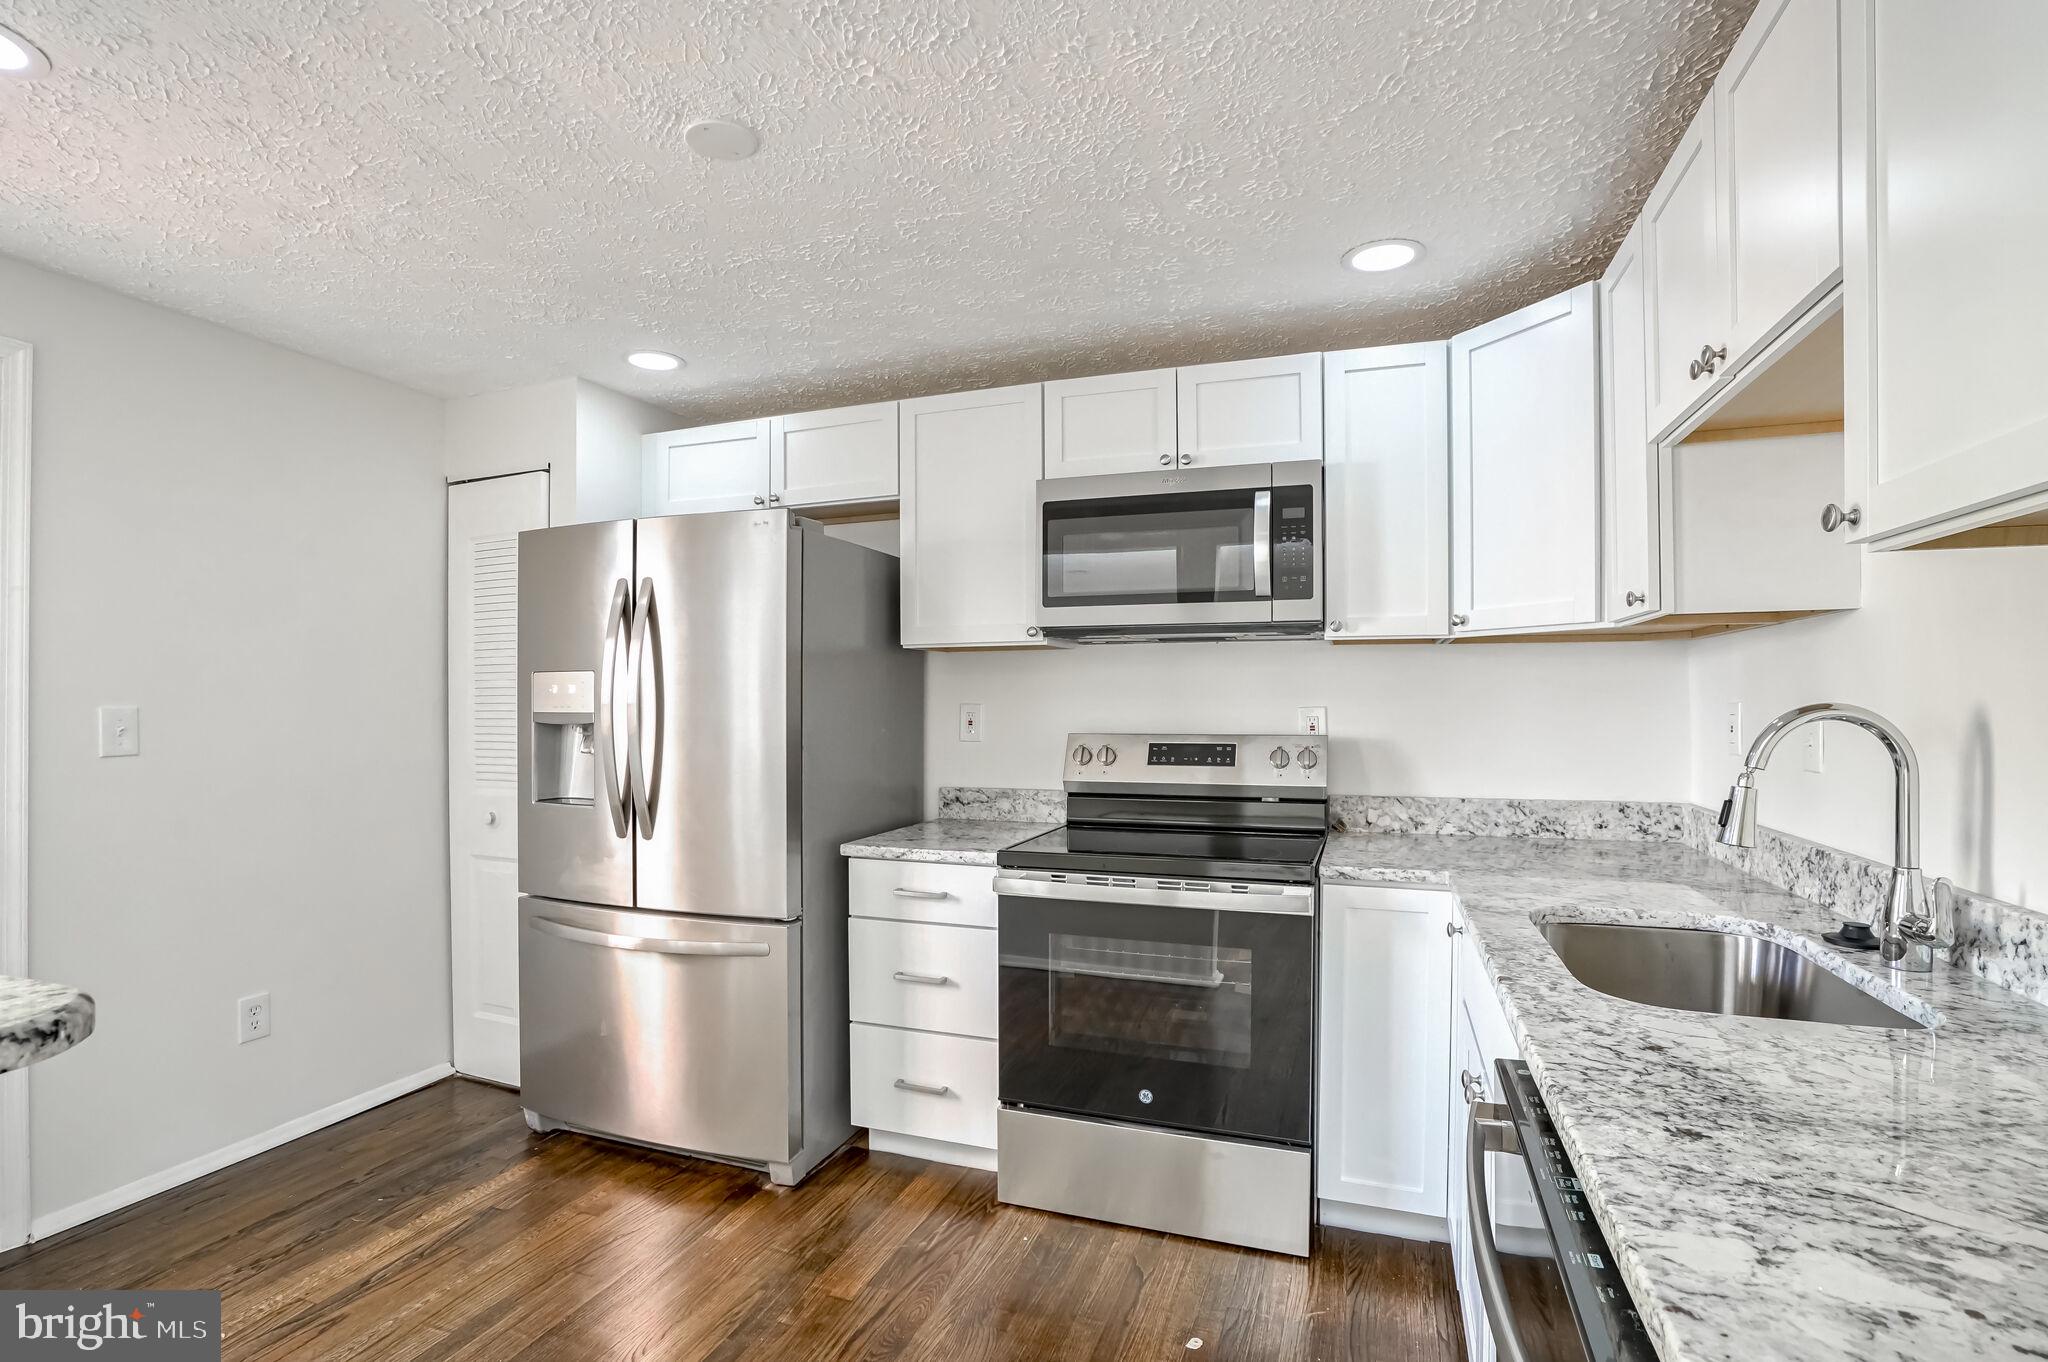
(1907, 933)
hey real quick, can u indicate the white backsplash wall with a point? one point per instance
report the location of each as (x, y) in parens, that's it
(1557, 721)
(1952, 645)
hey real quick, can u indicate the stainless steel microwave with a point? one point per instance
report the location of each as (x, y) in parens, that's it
(1189, 554)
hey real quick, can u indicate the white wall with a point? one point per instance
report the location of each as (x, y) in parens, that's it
(608, 430)
(247, 543)
(586, 435)
(1565, 721)
(1952, 645)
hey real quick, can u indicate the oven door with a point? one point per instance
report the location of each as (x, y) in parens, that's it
(1138, 1001)
(1209, 546)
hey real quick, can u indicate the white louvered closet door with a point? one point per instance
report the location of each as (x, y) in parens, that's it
(484, 521)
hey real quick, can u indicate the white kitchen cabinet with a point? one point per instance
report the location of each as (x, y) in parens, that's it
(822, 457)
(1632, 585)
(1385, 1031)
(1112, 423)
(710, 468)
(1777, 142)
(1945, 212)
(1688, 294)
(1386, 492)
(968, 466)
(1525, 468)
(1251, 411)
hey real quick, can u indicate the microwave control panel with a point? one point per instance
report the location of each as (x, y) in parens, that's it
(1294, 543)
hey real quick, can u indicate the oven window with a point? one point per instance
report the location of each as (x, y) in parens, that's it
(1156, 999)
(1180, 547)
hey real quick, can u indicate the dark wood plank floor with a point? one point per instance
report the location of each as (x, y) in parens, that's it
(438, 1228)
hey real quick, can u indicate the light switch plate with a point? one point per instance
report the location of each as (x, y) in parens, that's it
(120, 730)
(1735, 728)
(1816, 750)
(970, 721)
(1312, 719)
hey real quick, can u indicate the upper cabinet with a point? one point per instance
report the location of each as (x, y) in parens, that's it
(821, 457)
(711, 468)
(1114, 423)
(1741, 234)
(1251, 411)
(968, 467)
(1386, 492)
(1946, 210)
(1632, 584)
(1525, 468)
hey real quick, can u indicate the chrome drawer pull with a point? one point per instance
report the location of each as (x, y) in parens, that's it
(900, 892)
(904, 976)
(928, 1089)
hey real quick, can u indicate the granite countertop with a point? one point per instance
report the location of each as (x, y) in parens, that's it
(1773, 1190)
(946, 841)
(38, 1020)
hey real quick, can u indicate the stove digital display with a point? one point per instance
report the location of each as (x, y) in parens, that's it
(1191, 754)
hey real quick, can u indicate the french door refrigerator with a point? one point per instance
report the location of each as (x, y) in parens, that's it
(709, 706)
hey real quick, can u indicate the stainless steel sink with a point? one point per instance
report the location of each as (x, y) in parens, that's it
(1706, 971)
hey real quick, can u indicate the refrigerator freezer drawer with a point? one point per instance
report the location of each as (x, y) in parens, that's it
(665, 1029)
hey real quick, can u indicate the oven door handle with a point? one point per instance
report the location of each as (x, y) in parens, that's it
(1489, 1131)
(1262, 545)
(1297, 900)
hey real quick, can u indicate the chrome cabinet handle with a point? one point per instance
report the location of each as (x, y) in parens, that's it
(1032, 632)
(1460, 621)
(607, 689)
(1454, 929)
(1833, 517)
(905, 892)
(1488, 1130)
(1336, 626)
(1187, 459)
(928, 1089)
(1166, 460)
(1474, 1086)
(904, 976)
(760, 501)
(1262, 545)
(1635, 598)
(658, 945)
(642, 775)
(1709, 356)
(774, 498)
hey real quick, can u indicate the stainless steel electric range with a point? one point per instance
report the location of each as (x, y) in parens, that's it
(1157, 989)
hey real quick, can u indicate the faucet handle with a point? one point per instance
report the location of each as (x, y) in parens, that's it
(1941, 924)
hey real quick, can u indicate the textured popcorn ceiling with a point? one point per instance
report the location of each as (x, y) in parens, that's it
(464, 195)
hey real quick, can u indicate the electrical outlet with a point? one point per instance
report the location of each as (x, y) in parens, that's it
(1312, 719)
(970, 721)
(1816, 753)
(120, 730)
(1735, 727)
(252, 1018)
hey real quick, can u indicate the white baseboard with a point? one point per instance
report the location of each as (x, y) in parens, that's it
(92, 1208)
(934, 1151)
(1342, 1215)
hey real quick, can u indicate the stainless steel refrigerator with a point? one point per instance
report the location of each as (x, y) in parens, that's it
(709, 705)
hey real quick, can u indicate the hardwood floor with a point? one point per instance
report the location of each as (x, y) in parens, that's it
(439, 1228)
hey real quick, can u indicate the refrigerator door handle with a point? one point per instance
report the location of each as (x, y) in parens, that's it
(644, 772)
(659, 945)
(607, 690)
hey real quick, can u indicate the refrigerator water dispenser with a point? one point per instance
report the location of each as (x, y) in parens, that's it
(563, 752)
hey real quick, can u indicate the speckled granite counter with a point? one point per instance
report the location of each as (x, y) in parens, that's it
(1773, 1190)
(38, 1020)
(946, 841)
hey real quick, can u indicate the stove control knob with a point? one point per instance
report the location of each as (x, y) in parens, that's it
(1279, 758)
(1108, 755)
(1082, 756)
(1306, 758)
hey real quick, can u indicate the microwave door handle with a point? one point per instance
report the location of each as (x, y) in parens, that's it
(1488, 1130)
(607, 699)
(1262, 545)
(644, 772)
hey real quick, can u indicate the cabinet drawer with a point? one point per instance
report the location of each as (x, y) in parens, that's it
(923, 975)
(886, 1065)
(918, 891)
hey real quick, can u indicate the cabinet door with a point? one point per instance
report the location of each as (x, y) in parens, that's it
(1946, 210)
(1252, 411)
(847, 454)
(711, 468)
(1688, 290)
(1382, 1119)
(1777, 133)
(1386, 492)
(1115, 423)
(968, 467)
(1631, 569)
(1525, 468)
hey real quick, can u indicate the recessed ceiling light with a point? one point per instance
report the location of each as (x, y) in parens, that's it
(1391, 254)
(721, 139)
(660, 361)
(19, 56)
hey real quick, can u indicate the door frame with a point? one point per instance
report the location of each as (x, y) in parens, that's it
(15, 357)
